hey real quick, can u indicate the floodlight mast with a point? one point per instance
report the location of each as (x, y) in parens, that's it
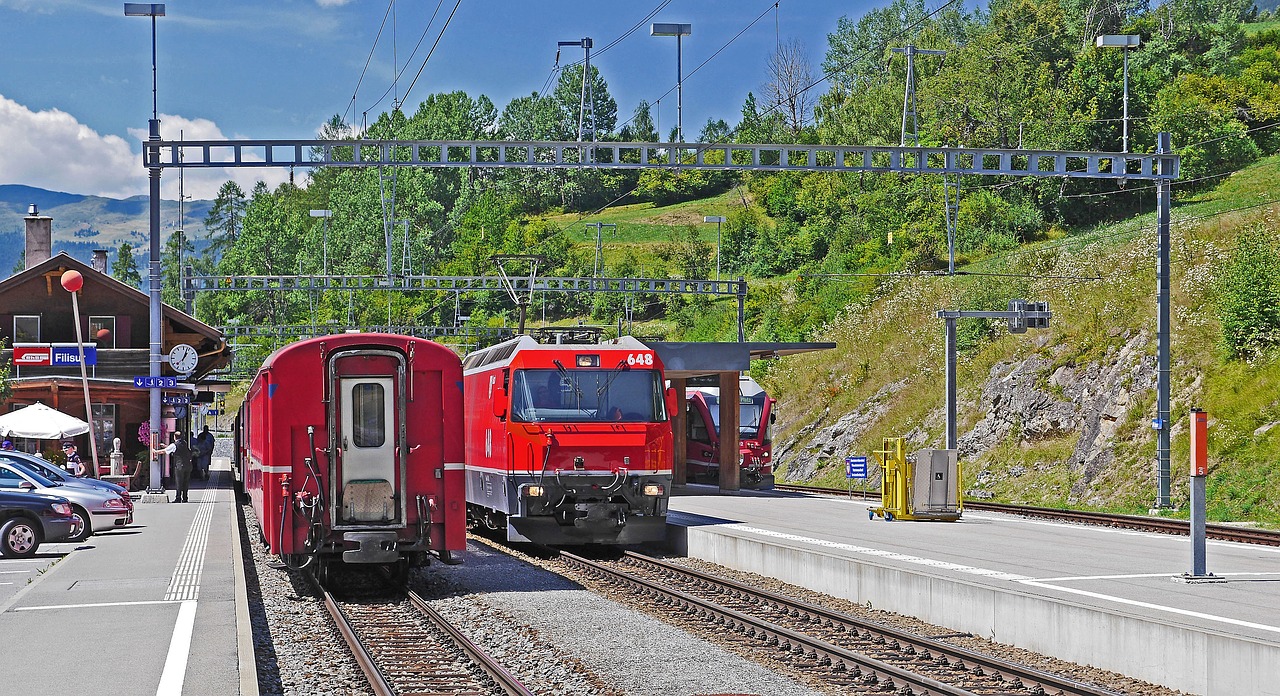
(151, 155)
(1126, 42)
(678, 31)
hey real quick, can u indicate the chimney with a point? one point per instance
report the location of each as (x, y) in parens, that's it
(39, 236)
(100, 260)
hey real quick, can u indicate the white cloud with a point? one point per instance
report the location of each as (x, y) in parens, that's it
(52, 150)
(332, 3)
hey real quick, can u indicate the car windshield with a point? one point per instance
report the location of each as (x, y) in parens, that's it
(13, 477)
(750, 409)
(42, 468)
(574, 396)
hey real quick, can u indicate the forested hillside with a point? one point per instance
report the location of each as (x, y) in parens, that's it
(854, 257)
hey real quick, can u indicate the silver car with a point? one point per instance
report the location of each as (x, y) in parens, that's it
(99, 509)
(46, 469)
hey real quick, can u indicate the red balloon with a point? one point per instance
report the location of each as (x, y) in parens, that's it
(72, 281)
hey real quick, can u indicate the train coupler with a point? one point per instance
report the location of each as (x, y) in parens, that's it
(371, 547)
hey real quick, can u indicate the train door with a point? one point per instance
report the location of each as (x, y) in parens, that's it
(702, 448)
(367, 433)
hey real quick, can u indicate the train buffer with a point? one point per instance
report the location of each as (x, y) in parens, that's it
(925, 486)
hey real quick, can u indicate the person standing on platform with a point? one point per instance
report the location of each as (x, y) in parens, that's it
(180, 456)
(73, 466)
(7, 445)
(203, 453)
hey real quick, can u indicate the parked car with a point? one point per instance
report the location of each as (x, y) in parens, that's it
(97, 508)
(46, 468)
(29, 519)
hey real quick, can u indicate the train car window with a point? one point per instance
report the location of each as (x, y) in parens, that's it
(697, 426)
(749, 411)
(368, 415)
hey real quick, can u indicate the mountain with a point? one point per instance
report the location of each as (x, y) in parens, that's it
(84, 223)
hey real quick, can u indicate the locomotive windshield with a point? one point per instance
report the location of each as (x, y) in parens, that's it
(750, 410)
(572, 396)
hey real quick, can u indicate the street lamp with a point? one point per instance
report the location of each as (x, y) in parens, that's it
(1126, 42)
(678, 31)
(153, 10)
(718, 219)
(326, 214)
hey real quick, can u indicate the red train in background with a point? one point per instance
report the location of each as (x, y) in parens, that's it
(568, 444)
(351, 450)
(755, 441)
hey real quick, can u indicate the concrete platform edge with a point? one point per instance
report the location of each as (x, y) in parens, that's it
(1180, 657)
(244, 625)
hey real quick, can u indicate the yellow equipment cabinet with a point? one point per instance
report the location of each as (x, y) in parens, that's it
(927, 488)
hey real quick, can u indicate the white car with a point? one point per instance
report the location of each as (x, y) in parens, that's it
(97, 508)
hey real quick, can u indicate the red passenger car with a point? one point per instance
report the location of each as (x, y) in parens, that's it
(755, 442)
(350, 447)
(568, 444)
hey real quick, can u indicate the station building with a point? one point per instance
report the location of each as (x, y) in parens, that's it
(38, 337)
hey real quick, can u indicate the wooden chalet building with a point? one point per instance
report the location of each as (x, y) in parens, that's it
(37, 331)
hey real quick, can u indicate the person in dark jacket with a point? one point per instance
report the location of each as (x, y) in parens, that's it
(180, 456)
(203, 450)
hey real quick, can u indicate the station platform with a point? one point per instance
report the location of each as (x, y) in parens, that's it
(1104, 597)
(146, 609)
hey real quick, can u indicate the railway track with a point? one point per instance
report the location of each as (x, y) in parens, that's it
(403, 646)
(1163, 525)
(840, 649)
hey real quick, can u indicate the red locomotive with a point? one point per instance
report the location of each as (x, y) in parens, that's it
(350, 447)
(568, 444)
(755, 445)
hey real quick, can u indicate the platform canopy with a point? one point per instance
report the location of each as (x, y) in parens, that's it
(39, 422)
(688, 360)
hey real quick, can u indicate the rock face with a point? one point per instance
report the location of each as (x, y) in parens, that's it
(1023, 400)
(836, 438)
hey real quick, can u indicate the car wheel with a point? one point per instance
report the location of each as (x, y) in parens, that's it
(19, 538)
(86, 529)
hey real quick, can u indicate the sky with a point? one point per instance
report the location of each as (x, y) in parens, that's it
(75, 75)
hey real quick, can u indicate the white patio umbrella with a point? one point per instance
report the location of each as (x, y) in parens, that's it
(40, 422)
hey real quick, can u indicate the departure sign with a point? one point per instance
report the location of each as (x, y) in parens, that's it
(855, 467)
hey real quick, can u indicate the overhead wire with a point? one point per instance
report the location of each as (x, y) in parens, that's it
(368, 60)
(439, 36)
(397, 73)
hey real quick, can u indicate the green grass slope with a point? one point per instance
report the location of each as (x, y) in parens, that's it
(890, 367)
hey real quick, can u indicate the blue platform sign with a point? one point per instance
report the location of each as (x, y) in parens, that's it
(65, 355)
(176, 400)
(155, 382)
(855, 467)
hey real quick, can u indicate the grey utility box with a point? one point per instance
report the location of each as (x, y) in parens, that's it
(935, 485)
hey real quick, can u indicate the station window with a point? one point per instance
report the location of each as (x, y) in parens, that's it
(102, 330)
(26, 328)
(104, 426)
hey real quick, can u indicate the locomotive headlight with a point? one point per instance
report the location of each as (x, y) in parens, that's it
(534, 491)
(653, 489)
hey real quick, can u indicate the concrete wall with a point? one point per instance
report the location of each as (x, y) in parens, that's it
(1187, 658)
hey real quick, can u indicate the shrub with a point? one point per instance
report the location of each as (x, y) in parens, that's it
(1249, 294)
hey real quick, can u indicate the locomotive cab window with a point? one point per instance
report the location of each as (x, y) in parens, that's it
(368, 415)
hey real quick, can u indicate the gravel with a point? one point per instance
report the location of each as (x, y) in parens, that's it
(558, 638)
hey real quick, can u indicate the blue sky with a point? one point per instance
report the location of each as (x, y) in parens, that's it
(75, 87)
